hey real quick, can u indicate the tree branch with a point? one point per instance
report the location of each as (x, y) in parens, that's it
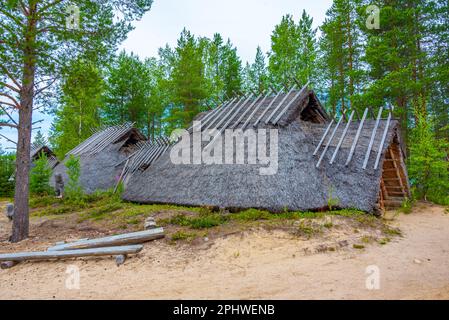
(9, 87)
(54, 3)
(10, 76)
(7, 113)
(46, 87)
(24, 9)
(6, 138)
(10, 16)
(9, 125)
(16, 104)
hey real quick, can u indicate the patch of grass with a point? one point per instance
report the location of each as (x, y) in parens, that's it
(307, 229)
(204, 220)
(367, 220)
(384, 241)
(255, 215)
(391, 231)
(52, 211)
(328, 225)
(208, 221)
(101, 212)
(366, 239)
(182, 236)
(406, 206)
(358, 246)
(252, 215)
(44, 201)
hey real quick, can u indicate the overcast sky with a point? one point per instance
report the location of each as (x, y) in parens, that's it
(248, 23)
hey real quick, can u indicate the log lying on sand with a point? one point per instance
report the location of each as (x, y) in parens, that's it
(50, 255)
(118, 240)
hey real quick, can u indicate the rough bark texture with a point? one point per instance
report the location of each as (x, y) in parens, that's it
(20, 229)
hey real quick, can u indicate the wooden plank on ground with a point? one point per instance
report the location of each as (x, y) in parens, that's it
(112, 241)
(50, 255)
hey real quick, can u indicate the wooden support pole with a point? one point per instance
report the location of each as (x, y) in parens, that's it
(329, 142)
(267, 109)
(283, 111)
(373, 136)
(256, 109)
(342, 138)
(382, 143)
(118, 240)
(50, 255)
(324, 137)
(357, 137)
(279, 105)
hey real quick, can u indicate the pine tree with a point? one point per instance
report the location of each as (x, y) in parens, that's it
(285, 48)
(188, 82)
(341, 46)
(307, 50)
(127, 91)
(39, 139)
(396, 59)
(81, 96)
(256, 74)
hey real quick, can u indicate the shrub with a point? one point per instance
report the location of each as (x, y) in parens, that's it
(428, 165)
(73, 188)
(7, 164)
(40, 176)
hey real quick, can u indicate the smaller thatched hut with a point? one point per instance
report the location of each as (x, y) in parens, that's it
(37, 150)
(103, 156)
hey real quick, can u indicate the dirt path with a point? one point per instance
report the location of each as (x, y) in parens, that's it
(257, 265)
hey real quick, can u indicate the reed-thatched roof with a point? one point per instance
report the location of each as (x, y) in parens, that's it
(302, 181)
(102, 157)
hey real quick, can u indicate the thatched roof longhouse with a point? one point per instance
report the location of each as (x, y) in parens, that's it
(303, 181)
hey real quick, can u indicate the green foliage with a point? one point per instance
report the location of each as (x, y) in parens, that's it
(204, 220)
(73, 189)
(7, 167)
(428, 162)
(188, 81)
(332, 202)
(127, 90)
(39, 139)
(182, 236)
(81, 95)
(256, 75)
(406, 206)
(293, 51)
(40, 176)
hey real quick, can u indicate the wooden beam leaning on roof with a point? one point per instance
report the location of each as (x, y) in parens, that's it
(267, 108)
(279, 116)
(280, 104)
(324, 137)
(342, 138)
(373, 136)
(357, 137)
(329, 142)
(250, 117)
(384, 137)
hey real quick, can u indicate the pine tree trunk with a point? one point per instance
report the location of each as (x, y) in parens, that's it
(350, 59)
(20, 228)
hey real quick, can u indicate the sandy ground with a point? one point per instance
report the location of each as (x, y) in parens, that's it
(256, 265)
